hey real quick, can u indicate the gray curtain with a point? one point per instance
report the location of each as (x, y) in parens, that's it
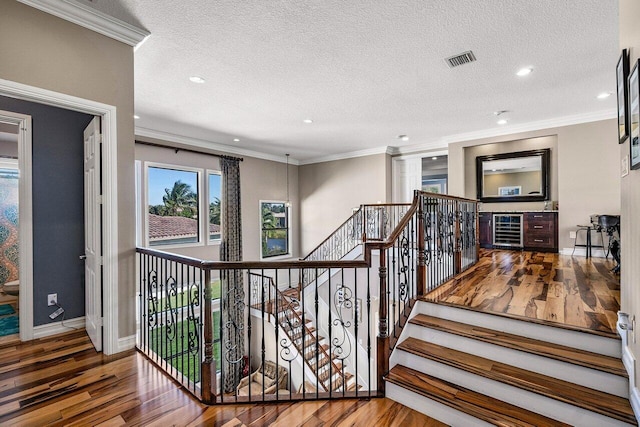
(232, 285)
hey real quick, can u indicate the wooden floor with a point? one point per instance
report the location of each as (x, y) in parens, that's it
(63, 381)
(560, 290)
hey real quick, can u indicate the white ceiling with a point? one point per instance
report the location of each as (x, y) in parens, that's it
(366, 71)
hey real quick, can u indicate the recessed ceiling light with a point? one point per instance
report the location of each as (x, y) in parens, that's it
(502, 122)
(196, 79)
(307, 121)
(524, 71)
(403, 137)
(135, 116)
(434, 158)
(604, 95)
(236, 140)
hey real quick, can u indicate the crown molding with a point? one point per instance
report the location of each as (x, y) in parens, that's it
(508, 130)
(201, 143)
(349, 155)
(95, 20)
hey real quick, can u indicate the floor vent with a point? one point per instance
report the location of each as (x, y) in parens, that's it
(460, 59)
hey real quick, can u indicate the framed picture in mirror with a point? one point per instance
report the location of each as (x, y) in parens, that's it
(622, 75)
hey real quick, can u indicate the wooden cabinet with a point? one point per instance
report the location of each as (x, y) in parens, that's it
(486, 235)
(539, 230)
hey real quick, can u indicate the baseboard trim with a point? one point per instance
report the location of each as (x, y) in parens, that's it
(55, 328)
(629, 363)
(595, 252)
(126, 343)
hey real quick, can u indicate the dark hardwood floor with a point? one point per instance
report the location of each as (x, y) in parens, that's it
(62, 380)
(568, 291)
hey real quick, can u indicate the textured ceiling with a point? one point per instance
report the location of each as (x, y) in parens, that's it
(365, 71)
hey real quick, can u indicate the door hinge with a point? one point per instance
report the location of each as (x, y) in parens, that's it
(100, 139)
(99, 199)
(99, 321)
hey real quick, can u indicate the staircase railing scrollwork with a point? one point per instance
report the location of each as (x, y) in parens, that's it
(310, 328)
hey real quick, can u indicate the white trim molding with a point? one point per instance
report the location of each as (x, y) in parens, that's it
(25, 219)
(126, 343)
(208, 145)
(54, 328)
(92, 19)
(350, 155)
(110, 252)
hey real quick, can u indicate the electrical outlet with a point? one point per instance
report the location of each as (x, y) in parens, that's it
(52, 299)
(56, 313)
(572, 234)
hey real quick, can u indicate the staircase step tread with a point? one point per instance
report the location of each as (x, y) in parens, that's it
(483, 407)
(563, 353)
(573, 394)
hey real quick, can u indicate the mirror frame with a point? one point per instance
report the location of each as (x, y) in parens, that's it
(544, 153)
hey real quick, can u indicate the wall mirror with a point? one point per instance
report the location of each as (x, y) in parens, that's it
(514, 177)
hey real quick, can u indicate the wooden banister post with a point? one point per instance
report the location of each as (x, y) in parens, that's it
(383, 328)
(421, 271)
(208, 365)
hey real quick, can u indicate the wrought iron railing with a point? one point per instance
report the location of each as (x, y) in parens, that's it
(235, 332)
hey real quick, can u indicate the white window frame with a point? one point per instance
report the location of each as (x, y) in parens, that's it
(209, 240)
(201, 201)
(289, 231)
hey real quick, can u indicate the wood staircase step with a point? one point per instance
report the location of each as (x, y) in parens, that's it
(311, 353)
(309, 331)
(573, 394)
(336, 369)
(562, 353)
(292, 293)
(310, 341)
(483, 407)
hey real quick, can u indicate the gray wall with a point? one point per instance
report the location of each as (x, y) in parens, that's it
(330, 190)
(58, 206)
(47, 52)
(630, 196)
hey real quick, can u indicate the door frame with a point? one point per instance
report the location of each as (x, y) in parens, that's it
(110, 250)
(25, 221)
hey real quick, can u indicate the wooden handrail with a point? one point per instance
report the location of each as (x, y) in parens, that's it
(336, 230)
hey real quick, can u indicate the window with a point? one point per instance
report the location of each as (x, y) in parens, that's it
(214, 205)
(173, 197)
(275, 228)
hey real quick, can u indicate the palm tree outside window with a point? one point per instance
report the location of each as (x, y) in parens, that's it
(275, 229)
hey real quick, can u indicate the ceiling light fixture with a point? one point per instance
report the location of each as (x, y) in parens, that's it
(403, 137)
(136, 117)
(604, 95)
(307, 121)
(502, 122)
(524, 71)
(434, 158)
(236, 140)
(196, 79)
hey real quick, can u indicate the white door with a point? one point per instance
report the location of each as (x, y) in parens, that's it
(92, 228)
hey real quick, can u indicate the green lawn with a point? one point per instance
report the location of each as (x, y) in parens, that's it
(182, 298)
(176, 350)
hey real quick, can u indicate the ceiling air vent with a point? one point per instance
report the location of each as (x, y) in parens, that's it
(461, 59)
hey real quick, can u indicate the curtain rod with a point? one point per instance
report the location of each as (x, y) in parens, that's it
(188, 150)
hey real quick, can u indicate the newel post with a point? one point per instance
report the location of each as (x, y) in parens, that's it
(421, 273)
(457, 252)
(383, 328)
(208, 365)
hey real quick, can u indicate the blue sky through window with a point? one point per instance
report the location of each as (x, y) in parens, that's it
(214, 187)
(160, 178)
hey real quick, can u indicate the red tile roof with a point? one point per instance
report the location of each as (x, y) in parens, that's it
(172, 227)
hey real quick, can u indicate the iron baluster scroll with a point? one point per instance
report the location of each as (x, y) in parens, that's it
(291, 330)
